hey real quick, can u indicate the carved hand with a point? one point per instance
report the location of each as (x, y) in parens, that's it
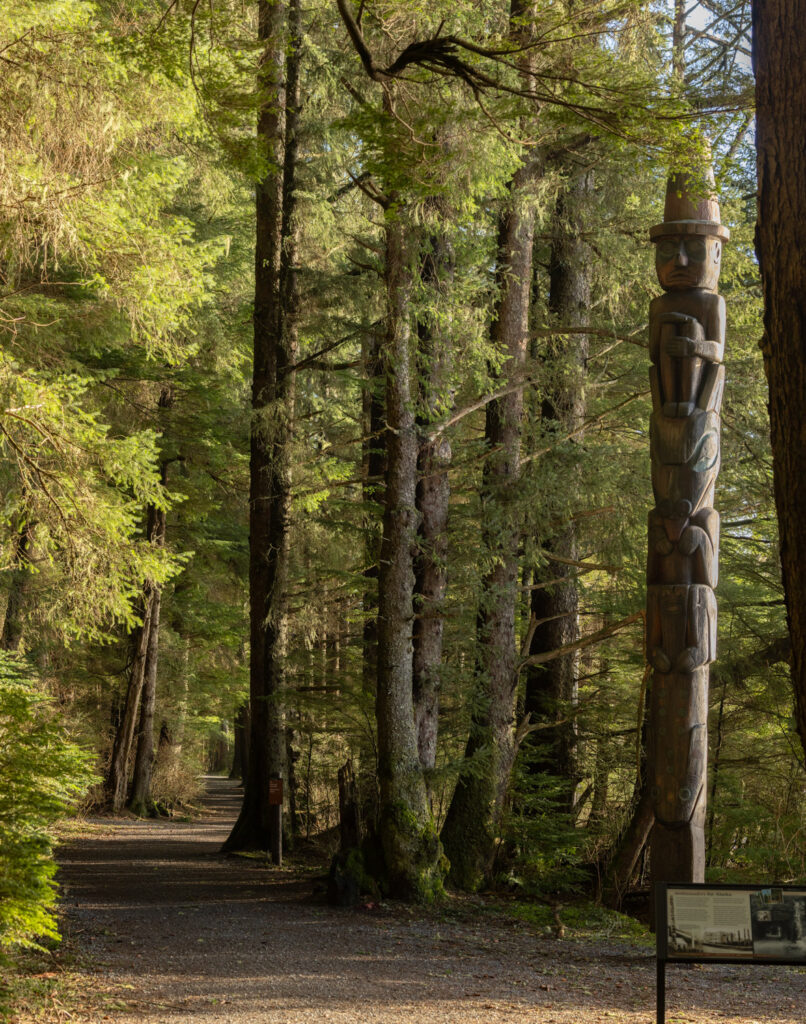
(693, 537)
(681, 347)
(692, 324)
(687, 326)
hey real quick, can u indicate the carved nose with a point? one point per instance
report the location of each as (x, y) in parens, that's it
(681, 259)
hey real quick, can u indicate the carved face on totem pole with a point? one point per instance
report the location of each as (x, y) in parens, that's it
(688, 261)
(688, 245)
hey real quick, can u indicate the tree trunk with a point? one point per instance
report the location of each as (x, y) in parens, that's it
(140, 800)
(373, 474)
(635, 837)
(679, 40)
(779, 45)
(117, 779)
(472, 823)
(551, 688)
(11, 637)
(716, 764)
(633, 842)
(410, 845)
(432, 499)
(240, 752)
(272, 411)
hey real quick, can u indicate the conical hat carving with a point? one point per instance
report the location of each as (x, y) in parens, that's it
(686, 214)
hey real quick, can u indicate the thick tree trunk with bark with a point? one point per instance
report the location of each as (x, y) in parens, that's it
(551, 687)
(240, 747)
(779, 45)
(475, 812)
(410, 844)
(433, 498)
(373, 471)
(272, 412)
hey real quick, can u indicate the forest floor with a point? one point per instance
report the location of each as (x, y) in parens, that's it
(160, 928)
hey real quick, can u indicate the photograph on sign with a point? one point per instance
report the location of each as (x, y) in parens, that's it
(779, 924)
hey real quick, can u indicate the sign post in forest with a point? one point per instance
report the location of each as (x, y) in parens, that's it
(687, 342)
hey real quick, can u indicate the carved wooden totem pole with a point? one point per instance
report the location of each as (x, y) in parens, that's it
(687, 342)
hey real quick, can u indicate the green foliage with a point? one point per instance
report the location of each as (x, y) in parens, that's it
(542, 849)
(42, 774)
(127, 165)
(584, 920)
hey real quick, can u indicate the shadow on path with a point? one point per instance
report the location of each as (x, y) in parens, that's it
(180, 933)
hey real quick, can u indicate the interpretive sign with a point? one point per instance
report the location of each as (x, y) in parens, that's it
(728, 924)
(275, 792)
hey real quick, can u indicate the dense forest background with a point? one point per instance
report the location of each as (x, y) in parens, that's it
(461, 194)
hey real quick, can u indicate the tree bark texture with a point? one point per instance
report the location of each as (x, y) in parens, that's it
(432, 498)
(551, 687)
(473, 819)
(156, 524)
(11, 636)
(410, 845)
(140, 799)
(240, 746)
(117, 778)
(272, 411)
(779, 54)
(373, 471)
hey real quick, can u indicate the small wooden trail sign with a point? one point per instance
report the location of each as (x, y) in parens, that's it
(727, 924)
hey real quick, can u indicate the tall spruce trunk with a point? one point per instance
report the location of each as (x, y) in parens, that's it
(551, 687)
(140, 799)
(474, 816)
(373, 471)
(410, 845)
(779, 52)
(432, 499)
(272, 411)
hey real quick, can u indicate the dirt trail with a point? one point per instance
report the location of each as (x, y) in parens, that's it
(167, 930)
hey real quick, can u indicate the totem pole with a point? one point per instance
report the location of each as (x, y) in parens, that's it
(687, 342)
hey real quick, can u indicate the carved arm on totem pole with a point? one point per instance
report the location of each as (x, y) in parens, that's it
(687, 344)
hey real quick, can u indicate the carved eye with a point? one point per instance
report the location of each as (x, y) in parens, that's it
(706, 454)
(685, 793)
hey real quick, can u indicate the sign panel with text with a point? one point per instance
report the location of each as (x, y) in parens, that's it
(732, 922)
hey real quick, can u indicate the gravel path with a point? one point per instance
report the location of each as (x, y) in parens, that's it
(167, 930)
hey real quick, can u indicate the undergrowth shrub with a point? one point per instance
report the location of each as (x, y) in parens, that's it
(42, 774)
(175, 784)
